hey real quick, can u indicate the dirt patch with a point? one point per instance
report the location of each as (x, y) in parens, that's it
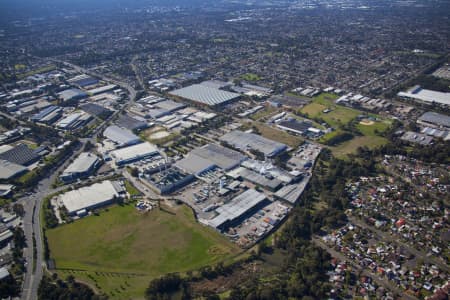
(159, 135)
(366, 122)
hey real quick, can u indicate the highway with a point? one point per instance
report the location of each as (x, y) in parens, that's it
(32, 203)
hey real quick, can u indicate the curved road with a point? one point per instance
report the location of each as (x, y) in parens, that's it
(32, 203)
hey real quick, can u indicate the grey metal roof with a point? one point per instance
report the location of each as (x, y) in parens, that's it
(435, 118)
(9, 169)
(204, 94)
(82, 163)
(245, 141)
(170, 105)
(223, 157)
(237, 207)
(120, 136)
(194, 164)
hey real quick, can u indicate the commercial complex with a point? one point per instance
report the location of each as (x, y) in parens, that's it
(433, 119)
(205, 95)
(84, 165)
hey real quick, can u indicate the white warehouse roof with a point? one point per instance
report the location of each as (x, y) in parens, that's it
(205, 94)
(83, 163)
(90, 196)
(120, 136)
(134, 152)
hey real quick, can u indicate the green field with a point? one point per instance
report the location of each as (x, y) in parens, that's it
(351, 146)
(338, 116)
(250, 77)
(277, 135)
(377, 128)
(121, 250)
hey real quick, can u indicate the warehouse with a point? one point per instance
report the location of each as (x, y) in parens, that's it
(205, 95)
(433, 119)
(83, 80)
(250, 141)
(120, 136)
(10, 170)
(21, 155)
(74, 121)
(131, 123)
(265, 180)
(239, 208)
(133, 153)
(91, 197)
(222, 157)
(169, 180)
(426, 96)
(48, 115)
(83, 166)
(72, 94)
(170, 105)
(101, 89)
(195, 165)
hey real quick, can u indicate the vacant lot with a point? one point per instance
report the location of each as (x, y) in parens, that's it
(360, 141)
(277, 135)
(121, 250)
(158, 135)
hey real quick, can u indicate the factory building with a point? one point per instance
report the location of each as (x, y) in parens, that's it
(74, 121)
(209, 157)
(133, 153)
(120, 136)
(249, 141)
(9, 170)
(205, 95)
(83, 166)
(77, 202)
(238, 209)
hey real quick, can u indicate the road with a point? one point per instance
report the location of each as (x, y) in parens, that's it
(32, 203)
(380, 281)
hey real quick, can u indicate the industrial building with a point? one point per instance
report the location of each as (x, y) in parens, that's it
(250, 141)
(83, 166)
(9, 170)
(131, 122)
(48, 115)
(120, 136)
(91, 197)
(205, 95)
(21, 155)
(299, 127)
(239, 208)
(417, 138)
(264, 180)
(208, 157)
(436, 120)
(74, 121)
(169, 180)
(72, 94)
(102, 89)
(170, 105)
(83, 80)
(133, 153)
(426, 96)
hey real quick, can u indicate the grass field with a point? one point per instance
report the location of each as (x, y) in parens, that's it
(250, 77)
(351, 146)
(338, 116)
(277, 135)
(378, 127)
(121, 250)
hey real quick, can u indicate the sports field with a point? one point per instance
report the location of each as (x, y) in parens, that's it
(121, 250)
(338, 115)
